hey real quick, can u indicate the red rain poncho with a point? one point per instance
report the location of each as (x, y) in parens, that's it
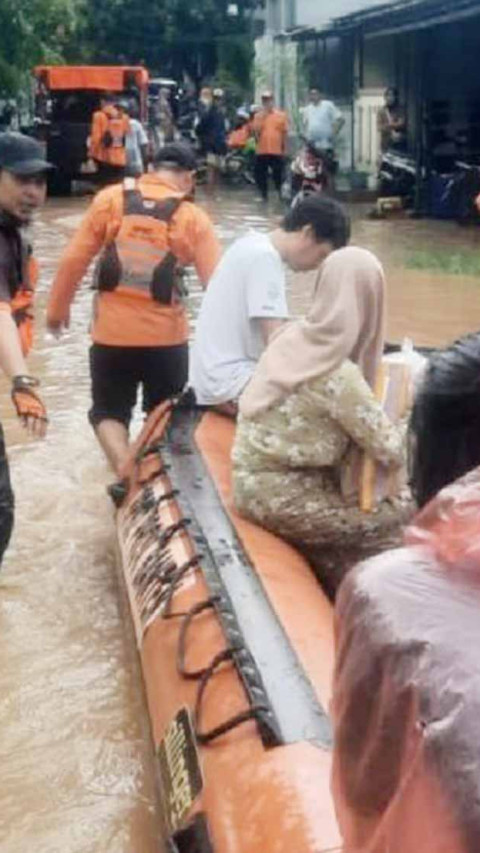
(406, 706)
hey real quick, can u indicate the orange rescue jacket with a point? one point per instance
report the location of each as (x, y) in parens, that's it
(107, 136)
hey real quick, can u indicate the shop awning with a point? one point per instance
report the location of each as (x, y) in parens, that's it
(396, 17)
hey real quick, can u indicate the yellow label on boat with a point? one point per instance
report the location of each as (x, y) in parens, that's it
(180, 771)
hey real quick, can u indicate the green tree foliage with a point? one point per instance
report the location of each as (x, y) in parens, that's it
(174, 36)
(32, 32)
(200, 37)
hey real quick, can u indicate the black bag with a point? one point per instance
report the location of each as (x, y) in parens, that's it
(107, 139)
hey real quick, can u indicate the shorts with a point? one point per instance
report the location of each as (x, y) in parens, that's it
(7, 501)
(117, 373)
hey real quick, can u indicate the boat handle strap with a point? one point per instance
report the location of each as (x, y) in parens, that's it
(207, 604)
(252, 713)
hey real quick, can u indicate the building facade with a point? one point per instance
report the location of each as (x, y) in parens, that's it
(354, 49)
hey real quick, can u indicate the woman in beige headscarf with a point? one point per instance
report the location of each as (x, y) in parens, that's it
(308, 409)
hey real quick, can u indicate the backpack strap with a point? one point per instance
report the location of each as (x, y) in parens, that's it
(135, 204)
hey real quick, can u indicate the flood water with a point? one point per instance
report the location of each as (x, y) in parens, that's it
(77, 771)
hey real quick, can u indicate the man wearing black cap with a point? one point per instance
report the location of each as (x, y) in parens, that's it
(148, 230)
(23, 171)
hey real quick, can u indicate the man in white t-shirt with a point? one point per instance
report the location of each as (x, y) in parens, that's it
(136, 142)
(245, 301)
(322, 121)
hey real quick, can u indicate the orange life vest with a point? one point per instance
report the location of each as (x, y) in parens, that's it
(140, 258)
(109, 129)
(114, 136)
(22, 304)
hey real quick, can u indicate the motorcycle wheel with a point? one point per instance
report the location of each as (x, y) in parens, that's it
(234, 170)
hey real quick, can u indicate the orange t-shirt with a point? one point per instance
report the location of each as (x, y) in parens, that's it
(271, 129)
(123, 317)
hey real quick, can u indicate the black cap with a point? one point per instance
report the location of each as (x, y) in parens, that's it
(22, 155)
(178, 154)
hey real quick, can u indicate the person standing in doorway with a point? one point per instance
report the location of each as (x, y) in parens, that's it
(146, 234)
(23, 184)
(391, 123)
(270, 127)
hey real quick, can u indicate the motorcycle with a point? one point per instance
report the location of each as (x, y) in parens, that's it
(238, 168)
(310, 172)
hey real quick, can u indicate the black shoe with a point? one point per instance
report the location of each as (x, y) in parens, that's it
(118, 491)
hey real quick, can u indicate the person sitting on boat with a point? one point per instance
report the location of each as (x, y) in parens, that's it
(148, 230)
(245, 302)
(406, 690)
(308, 410)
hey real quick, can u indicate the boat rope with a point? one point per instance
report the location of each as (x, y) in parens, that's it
(255, 712)
(156, 577)
(201, 607)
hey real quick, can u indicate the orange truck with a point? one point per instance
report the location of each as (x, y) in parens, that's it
(66, 96)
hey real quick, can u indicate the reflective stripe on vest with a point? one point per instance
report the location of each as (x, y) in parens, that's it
(116, 128)
(22, 305)
(140, 257)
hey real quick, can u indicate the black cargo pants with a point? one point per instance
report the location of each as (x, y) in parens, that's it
(7, 500)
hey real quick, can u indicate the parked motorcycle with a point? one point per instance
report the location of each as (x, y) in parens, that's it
(311, 172)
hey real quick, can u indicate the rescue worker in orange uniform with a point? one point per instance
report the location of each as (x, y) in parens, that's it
(148, 230)
(22, 190)
(270, 127)
(107, 148)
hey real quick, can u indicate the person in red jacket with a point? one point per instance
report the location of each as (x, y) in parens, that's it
(406, 691)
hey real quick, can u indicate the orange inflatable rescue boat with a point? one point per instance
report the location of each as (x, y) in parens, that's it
(236, 643)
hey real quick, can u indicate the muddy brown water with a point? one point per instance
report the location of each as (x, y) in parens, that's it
(77, 769)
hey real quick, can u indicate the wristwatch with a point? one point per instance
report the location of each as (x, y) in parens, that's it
(23, 382)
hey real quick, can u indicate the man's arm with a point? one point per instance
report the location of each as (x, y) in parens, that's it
(268, 327)
(81, 250)
(206, 247)
(12, 361)
(28, 404)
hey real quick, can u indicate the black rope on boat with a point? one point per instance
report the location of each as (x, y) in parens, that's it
(153, 449)
(159, 472)
(255, 712)
(178, 575)
(207, 604)
(168, 496)
(170, 531)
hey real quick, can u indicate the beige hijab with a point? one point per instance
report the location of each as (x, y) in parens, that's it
(346, 320)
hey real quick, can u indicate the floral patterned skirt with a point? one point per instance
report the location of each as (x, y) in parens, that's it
(306, 508)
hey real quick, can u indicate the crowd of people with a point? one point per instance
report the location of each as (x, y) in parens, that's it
(303, 393)
(119, 145)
